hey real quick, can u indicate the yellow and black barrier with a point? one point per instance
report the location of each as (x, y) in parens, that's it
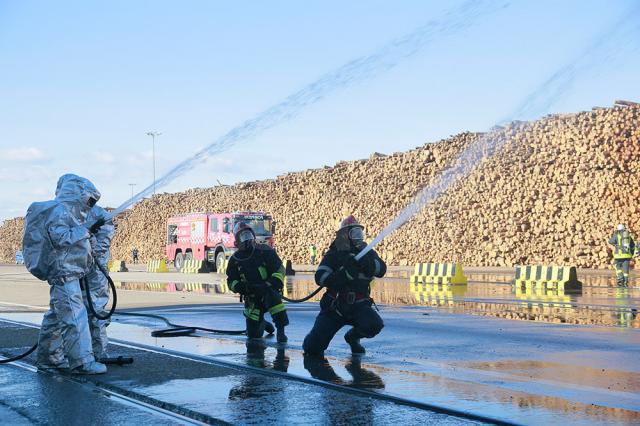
(438, 273)
(539, 295)
(437, 294)
(156, 286)
(223, 268)
(194, 287)
(117, 266)
(561, 278)
(192, 266)
(157, 265)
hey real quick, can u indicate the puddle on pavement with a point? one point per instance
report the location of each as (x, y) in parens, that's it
(599, 302)
(241, 400)
(511, 390)
(614, 380)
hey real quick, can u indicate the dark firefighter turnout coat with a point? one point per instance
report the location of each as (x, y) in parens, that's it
(343, 287)
(257, 274)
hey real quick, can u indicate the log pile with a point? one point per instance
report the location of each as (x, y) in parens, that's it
(10, 239)
(552, 193)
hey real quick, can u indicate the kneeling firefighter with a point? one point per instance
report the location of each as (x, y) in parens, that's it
(97, 281)
(347, 299)
(256, 272)
(56, 249)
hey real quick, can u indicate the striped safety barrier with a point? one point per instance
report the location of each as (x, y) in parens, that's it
(562, 278)
(118, 266)
(437, 294)
(539, 295)
(194, 287)
(156, 286)
(157, 265)
(223, 268)
(192, 266)
(438, 273)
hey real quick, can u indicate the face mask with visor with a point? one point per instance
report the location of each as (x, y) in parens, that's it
(356, 234)
(245, 236)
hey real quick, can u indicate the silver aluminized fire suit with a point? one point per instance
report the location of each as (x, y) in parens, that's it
(64, 336)
(97, 281)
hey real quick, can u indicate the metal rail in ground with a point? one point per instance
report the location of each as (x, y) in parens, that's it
(309, 380)
(149, 406)
(198, 418)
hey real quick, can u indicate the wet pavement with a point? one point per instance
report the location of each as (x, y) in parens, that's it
(485, 348)
(510, 370)
(204, 391)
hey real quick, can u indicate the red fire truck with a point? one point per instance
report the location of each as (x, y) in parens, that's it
(209, 236)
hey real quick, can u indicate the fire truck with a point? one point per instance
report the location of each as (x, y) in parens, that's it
(209, 236)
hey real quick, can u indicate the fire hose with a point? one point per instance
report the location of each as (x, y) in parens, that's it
(117, 360)
(175, 330)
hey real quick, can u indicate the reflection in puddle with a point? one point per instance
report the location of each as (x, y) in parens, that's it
(598, 302)
(621, 381)
(171, 287)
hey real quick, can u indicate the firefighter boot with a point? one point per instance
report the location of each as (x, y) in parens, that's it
(353, 339)
(268, 327)
(280, 336)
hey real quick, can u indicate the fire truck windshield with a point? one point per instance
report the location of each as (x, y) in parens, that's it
(260, 225)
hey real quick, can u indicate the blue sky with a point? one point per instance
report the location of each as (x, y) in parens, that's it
(82, 82)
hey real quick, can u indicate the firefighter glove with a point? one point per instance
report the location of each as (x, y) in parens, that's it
(351, 268)
(275, 283)
(95, 227)
(240, 287)
(368, 264)
(259, 289)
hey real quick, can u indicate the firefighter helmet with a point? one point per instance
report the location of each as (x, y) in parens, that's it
(621, 227)
(349, 221)
(244, 235)
(351, 228)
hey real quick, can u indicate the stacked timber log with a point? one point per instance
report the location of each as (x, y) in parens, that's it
(10, 239)
(551, 193)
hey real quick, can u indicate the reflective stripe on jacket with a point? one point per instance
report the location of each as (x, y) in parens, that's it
(623, 246)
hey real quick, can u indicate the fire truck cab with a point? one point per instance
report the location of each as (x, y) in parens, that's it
(209, 236)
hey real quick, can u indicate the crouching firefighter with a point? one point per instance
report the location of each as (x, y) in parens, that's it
(347, 300)
(256, 272)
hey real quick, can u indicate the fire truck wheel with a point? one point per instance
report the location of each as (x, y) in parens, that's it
(188, 256)
(178, 262)
(219, 261)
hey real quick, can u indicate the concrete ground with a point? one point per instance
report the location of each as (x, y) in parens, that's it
(191, 389)
(451, 355)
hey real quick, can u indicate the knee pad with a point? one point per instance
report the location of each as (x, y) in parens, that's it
(310, 346)
(372, 329)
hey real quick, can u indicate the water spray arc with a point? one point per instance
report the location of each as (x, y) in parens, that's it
(537, 102)
(349, 74)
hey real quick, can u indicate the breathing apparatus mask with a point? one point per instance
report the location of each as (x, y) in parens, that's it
(245, 238)
(350, 238)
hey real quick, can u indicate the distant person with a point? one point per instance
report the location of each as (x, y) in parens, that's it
(347, 300)
(313, 252)
(623, 250)
(255, 271)
(134, 255)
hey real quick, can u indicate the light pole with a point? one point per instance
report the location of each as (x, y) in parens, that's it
(153, 135)
(132, 185)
